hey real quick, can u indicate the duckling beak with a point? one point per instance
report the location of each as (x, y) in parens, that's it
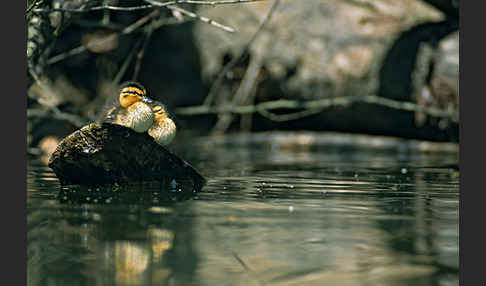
(146, 100)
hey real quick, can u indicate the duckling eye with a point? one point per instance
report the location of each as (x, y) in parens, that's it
(132, 95)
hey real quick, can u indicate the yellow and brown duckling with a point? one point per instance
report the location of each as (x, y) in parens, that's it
(135, 110)
(132, 108)
(163, 130)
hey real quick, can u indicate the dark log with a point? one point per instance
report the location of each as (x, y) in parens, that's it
(105, 153)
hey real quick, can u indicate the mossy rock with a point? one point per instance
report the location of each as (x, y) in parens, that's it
(99, 154)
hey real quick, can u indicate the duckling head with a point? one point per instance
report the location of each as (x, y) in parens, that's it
(164, 129)
(135, 111)
(130, 93)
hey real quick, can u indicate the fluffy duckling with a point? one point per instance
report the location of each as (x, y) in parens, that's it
(163, 129)
(132, 109)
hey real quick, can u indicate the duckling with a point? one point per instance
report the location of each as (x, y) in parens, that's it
(132, 109)
(163, 129)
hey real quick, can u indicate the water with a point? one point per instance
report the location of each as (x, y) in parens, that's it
(278, 209)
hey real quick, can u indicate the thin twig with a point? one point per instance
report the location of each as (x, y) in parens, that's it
(141, 53)
(318, 104)
(213, 3)
(199, 2)
(134, 26)
(170, 5)
(127, 62)
(52, 111)
(68, 54)
(32, 5)
(55, 113)
(200, 18)
(127, 30)
(140, 22)
(249, 80)
(34, 75)
(289, 116)
(152, 4)
(247, 85)
(106, 14)
(91, 9)
(168, 21)
(217, 83)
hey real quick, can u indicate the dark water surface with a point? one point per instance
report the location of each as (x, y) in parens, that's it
(278, 209)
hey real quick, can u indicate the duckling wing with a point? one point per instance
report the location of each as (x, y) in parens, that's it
(115, 115)
(140, 116)
(109, 110)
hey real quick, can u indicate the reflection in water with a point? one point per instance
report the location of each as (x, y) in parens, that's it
(131, 262)
(270, 214)
(110, 245)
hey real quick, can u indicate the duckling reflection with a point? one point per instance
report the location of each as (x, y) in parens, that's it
(132, 109)
(163, 130)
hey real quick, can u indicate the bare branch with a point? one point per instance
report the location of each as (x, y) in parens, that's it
(199, 2)
(96, 8)
(316, 105)
(141, 53)
(55, 113)
(32, 5)
(152, 4)
(289, 116)
(127, 62)
(247, 85)
(217, 83)
(200, 18)
(128, 30)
